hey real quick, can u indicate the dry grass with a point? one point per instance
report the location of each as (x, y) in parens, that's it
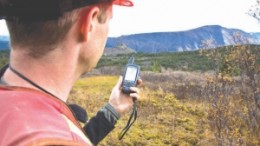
(177, 108)
(162, 119)
(184, 85)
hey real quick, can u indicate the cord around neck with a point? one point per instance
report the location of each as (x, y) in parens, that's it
(29, 81)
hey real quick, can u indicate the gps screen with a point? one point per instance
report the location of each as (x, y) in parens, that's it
(131, 73)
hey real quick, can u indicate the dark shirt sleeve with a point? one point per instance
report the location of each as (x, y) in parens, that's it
(101, 124)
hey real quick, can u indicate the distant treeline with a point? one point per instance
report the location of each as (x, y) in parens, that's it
(185, 61)
(4, 57)
(188, 61)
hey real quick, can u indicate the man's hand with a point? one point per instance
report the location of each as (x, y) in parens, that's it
(121, 101)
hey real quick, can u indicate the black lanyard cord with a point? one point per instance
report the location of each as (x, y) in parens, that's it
(29, 81)
(131, 120)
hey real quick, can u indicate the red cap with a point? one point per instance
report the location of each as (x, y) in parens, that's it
(46, 9)
(127, 3)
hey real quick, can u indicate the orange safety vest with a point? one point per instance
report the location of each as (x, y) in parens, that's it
(29, 118)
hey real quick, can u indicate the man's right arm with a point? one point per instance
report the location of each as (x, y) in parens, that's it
(100, 125)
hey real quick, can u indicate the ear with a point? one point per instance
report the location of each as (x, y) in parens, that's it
(87, 21)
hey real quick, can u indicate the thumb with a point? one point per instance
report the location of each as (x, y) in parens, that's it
(119, 82)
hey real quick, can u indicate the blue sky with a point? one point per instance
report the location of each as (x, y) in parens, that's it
(178, 15)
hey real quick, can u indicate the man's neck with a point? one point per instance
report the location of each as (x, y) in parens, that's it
(55, 74)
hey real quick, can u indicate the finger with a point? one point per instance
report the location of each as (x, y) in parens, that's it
(119, 82)
(139, 82)
(134, 95)
(134, 90)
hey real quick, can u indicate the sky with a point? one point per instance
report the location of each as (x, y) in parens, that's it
(177, 15)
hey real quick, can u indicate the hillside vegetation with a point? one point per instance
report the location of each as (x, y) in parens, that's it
(4, 57)
(187, 61)
(160, 62)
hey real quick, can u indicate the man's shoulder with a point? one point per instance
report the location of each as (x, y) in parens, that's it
(32, 115)
(15, 100)
(27, 103)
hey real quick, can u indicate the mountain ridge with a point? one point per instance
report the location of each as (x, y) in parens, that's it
(208, 36)
(4, 42)
(185, 40)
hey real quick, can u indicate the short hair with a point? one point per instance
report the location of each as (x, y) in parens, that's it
(41, 37)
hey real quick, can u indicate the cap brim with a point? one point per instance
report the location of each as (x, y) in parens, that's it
(127, 3)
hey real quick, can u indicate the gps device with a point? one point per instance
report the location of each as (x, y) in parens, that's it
(131, 75)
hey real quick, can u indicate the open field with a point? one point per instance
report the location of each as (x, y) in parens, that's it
(162, 119)
(177, 108)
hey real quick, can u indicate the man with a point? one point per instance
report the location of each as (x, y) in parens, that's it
(53, 43)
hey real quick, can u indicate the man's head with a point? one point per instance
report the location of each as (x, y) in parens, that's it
(43, 24)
